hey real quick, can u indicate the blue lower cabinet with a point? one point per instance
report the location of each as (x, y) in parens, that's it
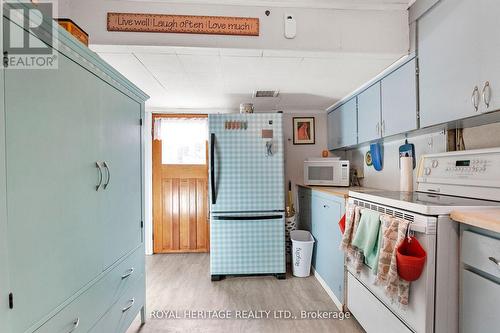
(320, 213)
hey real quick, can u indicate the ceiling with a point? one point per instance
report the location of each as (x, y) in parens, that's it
(330, 4)
(181, 79)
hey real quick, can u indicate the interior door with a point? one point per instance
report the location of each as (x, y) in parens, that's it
(52, 144)
(180, 200)
(246, 157)
(121, 192)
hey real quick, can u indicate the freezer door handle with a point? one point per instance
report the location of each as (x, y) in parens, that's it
(212, 167)
(242, 218)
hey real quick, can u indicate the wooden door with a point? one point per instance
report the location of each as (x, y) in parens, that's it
(180, 202)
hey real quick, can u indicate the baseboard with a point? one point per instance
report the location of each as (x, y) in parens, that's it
(330, 293)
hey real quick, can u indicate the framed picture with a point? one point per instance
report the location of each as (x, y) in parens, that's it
(303, 131)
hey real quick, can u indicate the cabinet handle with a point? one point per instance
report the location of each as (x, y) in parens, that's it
(76, 323)
(382, 131)
(326, 206)
(475, 98)
(125, 309)
(486, 94)
(494, 261)
(100, 176)
(129, 272)
(109, 174)
(377, 128)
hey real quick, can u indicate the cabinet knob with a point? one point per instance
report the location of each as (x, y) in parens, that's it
(326, 206)
(486, 94)
(475, 98)
(495, 261)
(76, 323)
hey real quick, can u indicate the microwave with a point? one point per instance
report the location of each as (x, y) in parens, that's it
(326, 171)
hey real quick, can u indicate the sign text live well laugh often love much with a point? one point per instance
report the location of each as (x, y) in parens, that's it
(216, 25)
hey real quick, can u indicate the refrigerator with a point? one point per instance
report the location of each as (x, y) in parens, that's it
(247, 197)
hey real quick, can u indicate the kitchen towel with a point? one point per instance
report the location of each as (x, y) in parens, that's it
(366, 238)
(406, 174)
(393, 234)
(353, 215)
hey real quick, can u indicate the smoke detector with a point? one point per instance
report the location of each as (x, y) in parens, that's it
(265, 93)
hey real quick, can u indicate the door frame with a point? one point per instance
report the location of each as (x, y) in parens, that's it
(151, 206)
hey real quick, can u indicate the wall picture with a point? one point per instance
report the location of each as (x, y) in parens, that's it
(303, 131)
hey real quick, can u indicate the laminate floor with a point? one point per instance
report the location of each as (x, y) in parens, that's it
(179, 282)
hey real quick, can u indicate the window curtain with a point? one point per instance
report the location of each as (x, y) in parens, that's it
(183, 139)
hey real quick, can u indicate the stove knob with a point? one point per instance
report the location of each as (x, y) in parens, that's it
(435, 163)
(427, 171)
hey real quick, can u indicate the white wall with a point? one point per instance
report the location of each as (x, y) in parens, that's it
(388, 177)
(363, 31)
(296, 154)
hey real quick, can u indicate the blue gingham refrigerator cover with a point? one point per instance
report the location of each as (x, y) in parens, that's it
(247, 227)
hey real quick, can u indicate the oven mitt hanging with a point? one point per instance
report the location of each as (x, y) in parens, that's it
(377, 156)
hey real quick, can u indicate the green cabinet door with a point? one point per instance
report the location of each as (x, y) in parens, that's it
(51, 148)
(4, 275)
(121, 193)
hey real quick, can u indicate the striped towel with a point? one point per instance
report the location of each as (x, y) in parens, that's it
(393, 234)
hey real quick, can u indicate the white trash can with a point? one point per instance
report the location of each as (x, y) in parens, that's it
(302, 249)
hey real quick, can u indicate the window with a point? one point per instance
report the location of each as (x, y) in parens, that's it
(183, 140)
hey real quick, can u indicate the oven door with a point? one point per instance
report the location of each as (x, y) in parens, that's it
(418, 316)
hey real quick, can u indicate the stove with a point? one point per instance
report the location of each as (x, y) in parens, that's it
(465, 180)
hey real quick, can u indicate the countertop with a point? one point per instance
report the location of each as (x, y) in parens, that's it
(338, 191)
(488, 219)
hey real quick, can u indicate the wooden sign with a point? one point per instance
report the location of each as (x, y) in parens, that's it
(214, 25)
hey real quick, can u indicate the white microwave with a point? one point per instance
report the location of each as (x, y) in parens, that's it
(326, 171)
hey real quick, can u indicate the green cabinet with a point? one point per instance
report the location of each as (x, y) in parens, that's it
(71, 207)
(320, 214)
(52, 144)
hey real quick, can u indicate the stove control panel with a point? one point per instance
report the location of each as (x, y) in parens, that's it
(458, 166)
(473, 173)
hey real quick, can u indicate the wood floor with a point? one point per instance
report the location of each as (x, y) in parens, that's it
(180, 282)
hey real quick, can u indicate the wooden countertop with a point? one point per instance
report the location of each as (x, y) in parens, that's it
(488, 219)
(337, 190)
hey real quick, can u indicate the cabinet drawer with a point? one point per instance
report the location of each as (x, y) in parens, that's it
(480, 301)
(94, 302)
(123, 312)
(477, 249)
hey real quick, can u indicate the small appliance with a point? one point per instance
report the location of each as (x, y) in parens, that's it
(326, 171)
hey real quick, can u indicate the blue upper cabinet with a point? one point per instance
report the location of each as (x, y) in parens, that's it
(399, 100)
(458, 52)
(369, 123)
(489, 80)
(342, 125)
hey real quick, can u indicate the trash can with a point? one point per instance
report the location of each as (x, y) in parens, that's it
(302, 248)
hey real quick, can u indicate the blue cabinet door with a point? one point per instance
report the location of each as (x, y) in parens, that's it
(369, 123)
(343, 126)
(449, 60)
(399, 100)
(328, 259)
(52, 144)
